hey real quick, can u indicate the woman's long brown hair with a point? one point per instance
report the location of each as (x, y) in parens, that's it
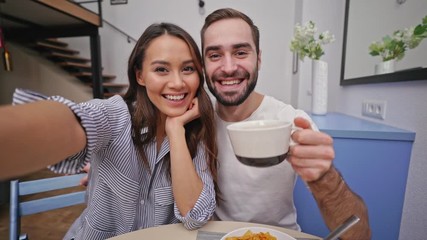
(144, 113)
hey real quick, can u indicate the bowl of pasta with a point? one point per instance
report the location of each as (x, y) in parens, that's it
(256, 233)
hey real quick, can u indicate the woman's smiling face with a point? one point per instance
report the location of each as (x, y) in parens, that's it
(169, 75)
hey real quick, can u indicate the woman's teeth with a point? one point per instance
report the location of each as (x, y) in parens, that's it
(175, 97)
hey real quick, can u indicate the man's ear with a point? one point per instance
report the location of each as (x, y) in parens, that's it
(139, 78)
(259, 60)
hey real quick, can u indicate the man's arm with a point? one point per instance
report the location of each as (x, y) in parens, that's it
(337, 202)
(311, 158)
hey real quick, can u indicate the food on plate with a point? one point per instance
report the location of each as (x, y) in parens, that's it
(249, 235)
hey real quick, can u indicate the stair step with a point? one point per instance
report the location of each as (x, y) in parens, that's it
(60, 57)
(49, 47)
(114, 85)
(74, 65)
(111, 89)
(87, 76)
(54, 41)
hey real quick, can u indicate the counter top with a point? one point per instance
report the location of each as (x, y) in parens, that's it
(339, 125)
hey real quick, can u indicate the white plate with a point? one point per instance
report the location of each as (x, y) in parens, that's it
(239, 232)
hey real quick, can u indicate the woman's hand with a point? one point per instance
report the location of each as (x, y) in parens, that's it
(172, 123)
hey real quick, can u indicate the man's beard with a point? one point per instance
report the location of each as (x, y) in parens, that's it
(233, 98)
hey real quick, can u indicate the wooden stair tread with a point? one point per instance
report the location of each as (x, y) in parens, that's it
(111, 89)
(55, 41)
(87, 76)
(112, 85)
(55, 48)
(74, 64)
(66, 57)
(115, 85)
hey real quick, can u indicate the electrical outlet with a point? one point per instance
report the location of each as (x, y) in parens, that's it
(374, 108)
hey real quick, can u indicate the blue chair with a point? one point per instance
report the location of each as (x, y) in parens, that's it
(19, 209)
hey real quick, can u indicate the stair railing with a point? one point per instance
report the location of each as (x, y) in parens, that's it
(128, 37)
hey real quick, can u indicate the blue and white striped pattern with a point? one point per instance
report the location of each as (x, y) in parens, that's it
(123, 195)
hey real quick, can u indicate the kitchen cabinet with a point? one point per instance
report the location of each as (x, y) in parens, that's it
(374, 160)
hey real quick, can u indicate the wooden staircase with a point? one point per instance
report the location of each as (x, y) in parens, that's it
(58, 51)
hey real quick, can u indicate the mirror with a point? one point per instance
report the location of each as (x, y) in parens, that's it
(367, 21)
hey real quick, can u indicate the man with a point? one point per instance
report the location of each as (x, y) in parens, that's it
(231, 54)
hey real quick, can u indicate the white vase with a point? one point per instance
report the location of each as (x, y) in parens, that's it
(319, 98)
(385, 67)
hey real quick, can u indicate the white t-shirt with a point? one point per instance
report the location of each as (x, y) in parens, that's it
(253, 194)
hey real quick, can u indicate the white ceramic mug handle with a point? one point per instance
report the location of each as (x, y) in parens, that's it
(291, 141)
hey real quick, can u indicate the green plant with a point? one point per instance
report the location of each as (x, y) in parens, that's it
(305, 43)
(395, 46)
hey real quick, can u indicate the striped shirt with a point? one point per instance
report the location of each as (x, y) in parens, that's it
(123, 195)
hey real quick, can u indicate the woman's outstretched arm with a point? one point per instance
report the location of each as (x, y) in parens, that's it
(35, 135)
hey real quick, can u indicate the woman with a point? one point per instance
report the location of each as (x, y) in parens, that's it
(152, 153)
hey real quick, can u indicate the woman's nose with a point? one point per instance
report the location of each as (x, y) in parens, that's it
(176, 81)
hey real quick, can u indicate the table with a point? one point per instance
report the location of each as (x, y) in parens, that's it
(178, 232)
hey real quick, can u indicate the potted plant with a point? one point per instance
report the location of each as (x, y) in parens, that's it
(306, 44)
(392, 48)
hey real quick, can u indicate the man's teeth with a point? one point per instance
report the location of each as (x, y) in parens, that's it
(230, 82)
(175, 97)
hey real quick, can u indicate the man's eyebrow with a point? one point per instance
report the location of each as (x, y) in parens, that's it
(212, 48)
(235, 46)
(242, 45)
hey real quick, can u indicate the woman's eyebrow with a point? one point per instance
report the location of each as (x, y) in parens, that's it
(160, 62)
(188, 61)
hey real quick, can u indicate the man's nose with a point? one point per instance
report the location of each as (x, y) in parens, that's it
(229, 65)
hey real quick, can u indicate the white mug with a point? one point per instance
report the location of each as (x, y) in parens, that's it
(260, 143)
